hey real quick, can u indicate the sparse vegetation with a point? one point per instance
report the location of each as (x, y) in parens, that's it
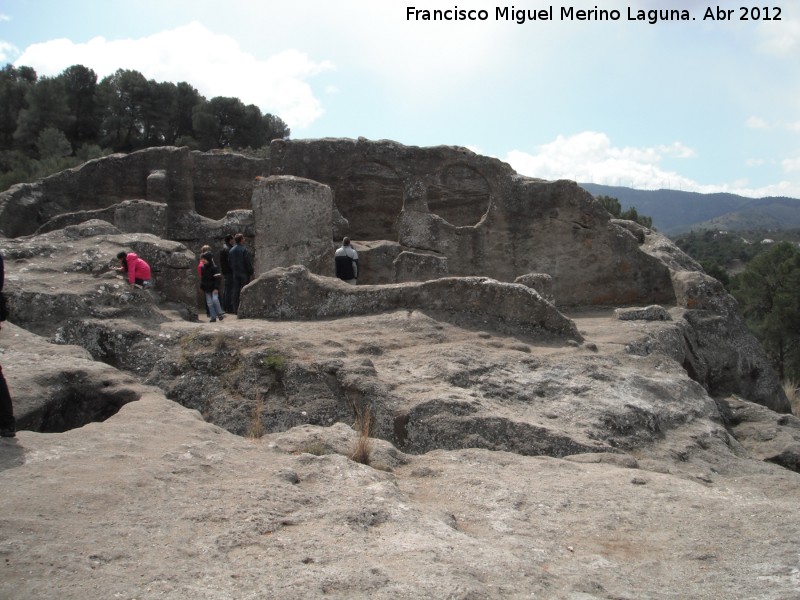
(275, 361)
(363, 448)
(613, 206)
(255, 429)
(719, 251)
(220, 342)
(187, 341)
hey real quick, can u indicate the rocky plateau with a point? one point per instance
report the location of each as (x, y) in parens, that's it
(522, 398)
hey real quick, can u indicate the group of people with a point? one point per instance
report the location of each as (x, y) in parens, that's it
(222, 283)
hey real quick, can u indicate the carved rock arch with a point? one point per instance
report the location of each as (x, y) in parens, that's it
(459, 194)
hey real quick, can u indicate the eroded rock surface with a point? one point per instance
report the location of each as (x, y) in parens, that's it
(524, 439)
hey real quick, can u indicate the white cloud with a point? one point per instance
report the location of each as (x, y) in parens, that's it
(213, 63)
(590, 157)
(780, 38)
(7, 51)
(677, 150)
(757, 123)
(763, 124)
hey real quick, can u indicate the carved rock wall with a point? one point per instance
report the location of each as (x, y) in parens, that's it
(473, 216)
(370, 179)
(209, 183)
(224, 181)
(99, 184)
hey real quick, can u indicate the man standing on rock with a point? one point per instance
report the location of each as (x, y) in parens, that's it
(240, 262)
(7, 422)
(225, 269)
(346, 260)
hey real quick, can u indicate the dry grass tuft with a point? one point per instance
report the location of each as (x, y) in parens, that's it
(220, 342)
(363, 450)
(792, 389)
(255, 429)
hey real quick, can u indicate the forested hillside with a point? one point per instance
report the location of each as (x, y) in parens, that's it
(52, 123)
(762, 271)
(675, 212)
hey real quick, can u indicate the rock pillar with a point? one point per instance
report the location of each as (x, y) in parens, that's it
(293, 224)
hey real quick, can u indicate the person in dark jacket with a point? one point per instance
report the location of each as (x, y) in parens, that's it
(7, 423)
(346, 262)
(227, 276)
(210, 283)
(241, 263)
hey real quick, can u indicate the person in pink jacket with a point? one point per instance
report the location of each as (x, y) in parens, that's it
(137, 269)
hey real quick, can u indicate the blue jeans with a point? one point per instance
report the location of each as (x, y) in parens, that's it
(212, 301)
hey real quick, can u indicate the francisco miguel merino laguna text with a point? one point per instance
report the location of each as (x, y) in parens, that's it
(569, 13)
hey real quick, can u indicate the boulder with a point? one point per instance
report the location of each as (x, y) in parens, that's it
(296, 293)
(56, 388)
(541, 282)
(69, 274)
(419, 266)
(763, 433)
(647, 313)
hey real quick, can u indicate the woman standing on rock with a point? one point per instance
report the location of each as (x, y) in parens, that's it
(210, 282)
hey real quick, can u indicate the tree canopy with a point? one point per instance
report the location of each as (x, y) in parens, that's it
(121, 113)
(613, 206)
(768, 292)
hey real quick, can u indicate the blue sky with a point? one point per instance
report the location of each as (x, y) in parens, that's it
(699, 105)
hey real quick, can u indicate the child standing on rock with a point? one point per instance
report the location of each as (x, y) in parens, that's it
(210, 282)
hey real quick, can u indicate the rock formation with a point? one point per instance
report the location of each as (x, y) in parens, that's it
(419, 214)
(538, 382)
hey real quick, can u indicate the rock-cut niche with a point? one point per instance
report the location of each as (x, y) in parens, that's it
(370, 196)
(459, 194)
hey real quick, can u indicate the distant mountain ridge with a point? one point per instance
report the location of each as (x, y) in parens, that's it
(674, 212)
